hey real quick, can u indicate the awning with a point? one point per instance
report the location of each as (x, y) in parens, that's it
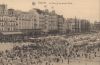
(11, 33)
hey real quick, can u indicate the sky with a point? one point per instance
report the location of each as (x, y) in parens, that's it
(83, 9)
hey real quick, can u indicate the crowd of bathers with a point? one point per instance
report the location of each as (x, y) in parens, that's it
(53, 49)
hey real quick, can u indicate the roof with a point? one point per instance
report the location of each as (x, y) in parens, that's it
(39, 11)
(11, 33)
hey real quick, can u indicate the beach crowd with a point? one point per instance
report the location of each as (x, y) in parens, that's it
(53, 49)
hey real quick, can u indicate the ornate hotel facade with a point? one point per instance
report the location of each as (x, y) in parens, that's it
(38, 21)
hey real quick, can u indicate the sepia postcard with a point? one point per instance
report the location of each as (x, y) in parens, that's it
(49, 32)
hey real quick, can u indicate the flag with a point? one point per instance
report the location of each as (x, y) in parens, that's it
(33, 3)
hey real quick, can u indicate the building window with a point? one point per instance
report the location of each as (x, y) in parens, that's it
(34, 19)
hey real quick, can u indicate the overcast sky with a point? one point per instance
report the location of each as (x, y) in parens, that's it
(86, 9)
